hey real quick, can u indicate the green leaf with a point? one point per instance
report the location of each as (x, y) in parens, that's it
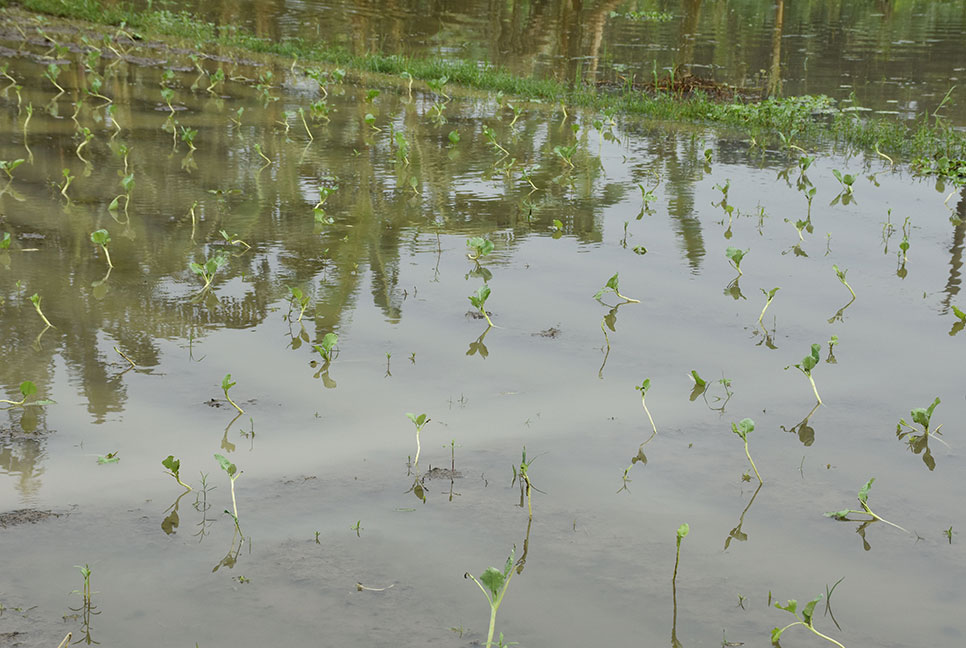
(837, 174)
(226, 383)
(771, 293)
(838, 515)
(810, 361)
(644, 386)
(922, 416)
(776, 634)
(809, 609)
(109, 458)
(454, 137)
(100, 237)
(958, 313)
(479, 299)
(171, 464)
(790, 606)
(864, 491)
(196, 268)
(27, 388)
(329, 341)
(683, 531)
(736, 255)
(418, 421)
(612, 283)
(698, 380)
(127, 182)
(481, 245)
(743, 428)
(226, 465)
(493, 578)
(558, 225)
(5, 243)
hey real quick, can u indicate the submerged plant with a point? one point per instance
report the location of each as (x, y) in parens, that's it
(806, 620)
(844, 514)
(101, 237)
(173, 467)
(612, 286)
(743, 428)
(226, 384)
(419, 421)
(807, 364)
(479, 301)
(494, 583)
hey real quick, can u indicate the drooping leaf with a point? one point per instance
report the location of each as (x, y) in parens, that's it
(838, 515)
(698, 380)
(864, 491)
(776, 634)
(809, 609)
(226, 465)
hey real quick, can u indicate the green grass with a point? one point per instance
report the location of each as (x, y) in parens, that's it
(930, 144)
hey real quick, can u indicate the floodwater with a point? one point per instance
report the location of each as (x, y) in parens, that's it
(327, 496)
(890, 56)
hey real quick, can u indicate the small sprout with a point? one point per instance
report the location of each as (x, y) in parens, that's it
(769, 295)
(479, 301)
(8, 166)
(841, 275)
(207, 270)
(682, 533)
(805, 620)
(454, 137)
(27, 388)
(419, 421)
(226, 384)
(863, 497)
(949, 534)
(480, 247)
(35, 300)
(299, 299)
(326, 348)
(233, 474)
(643, 387)
(612, 286)
(735, 255)
(109, 458)
(807, 364)
(919, 443)
(173, 467)
(743, 429)
(494, 583)
(101, 237)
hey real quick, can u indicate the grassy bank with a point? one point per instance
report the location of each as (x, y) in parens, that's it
(930, 144)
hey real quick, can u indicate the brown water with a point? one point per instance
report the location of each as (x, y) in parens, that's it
(324, 447)
(892, 56)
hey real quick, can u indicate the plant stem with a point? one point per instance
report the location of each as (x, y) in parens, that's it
(42, 316)
(748, 454)
(646, 411)
(234, 505)
(627, 299)
(814, 388)
(108, 255)
(416, 460)
(240, 410)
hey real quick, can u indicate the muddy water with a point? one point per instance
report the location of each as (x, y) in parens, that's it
(325, 448)
(893, 57)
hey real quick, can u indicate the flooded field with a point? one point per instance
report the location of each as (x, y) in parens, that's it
(244, 276)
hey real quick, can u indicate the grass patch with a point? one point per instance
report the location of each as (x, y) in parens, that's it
(931, 144)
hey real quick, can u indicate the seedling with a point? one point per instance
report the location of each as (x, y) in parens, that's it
(479, 246)
(51, 74)
(735, 255)
(682, 533)
(27, 388)
(647, 197)
(35, 300)
(299, 299)
(5, 241)
(643, 387)
(845, 179)
(326, 348)
(566, 153)
(841, 275)
(258, 149)
(226, 384)
(957, 326)
(479, 301)
(8, 166)
(68, 178)
(209, 268)
(743, 429)
(949, 533)
(525, 483)
(173, 467)
(769, 296)
(844, 514)
(612, 286)
(233, 474)
(807, 364)
(496, 583)
(109, 458)
(101, 237)
(86, 574)
(834, 340)
(419, 422)
(805, 620)
(919, 443)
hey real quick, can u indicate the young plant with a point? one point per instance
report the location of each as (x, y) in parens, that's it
(479, 246)
(479, 301)
(957, 326)
(841, 275)
(233, 474)
(326, 349)
(807, 364)
(769, 295)
(735, 255)
(207, 270)
(919, 443)
(806, 620)
(35, 300)
(525, 484)
(496, 583)
(299, 299)
(844, 514)
(682, 533)
(743, 429)
(490, 135)
(27, 388)
(101, 237)
(845, 179)
(226, 384)
(643, 387)
(612, 286)
(173, 467)
(8, 166)
(419, 422)
(68, 178)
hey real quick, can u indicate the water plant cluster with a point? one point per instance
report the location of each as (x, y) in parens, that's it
(541, 177)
